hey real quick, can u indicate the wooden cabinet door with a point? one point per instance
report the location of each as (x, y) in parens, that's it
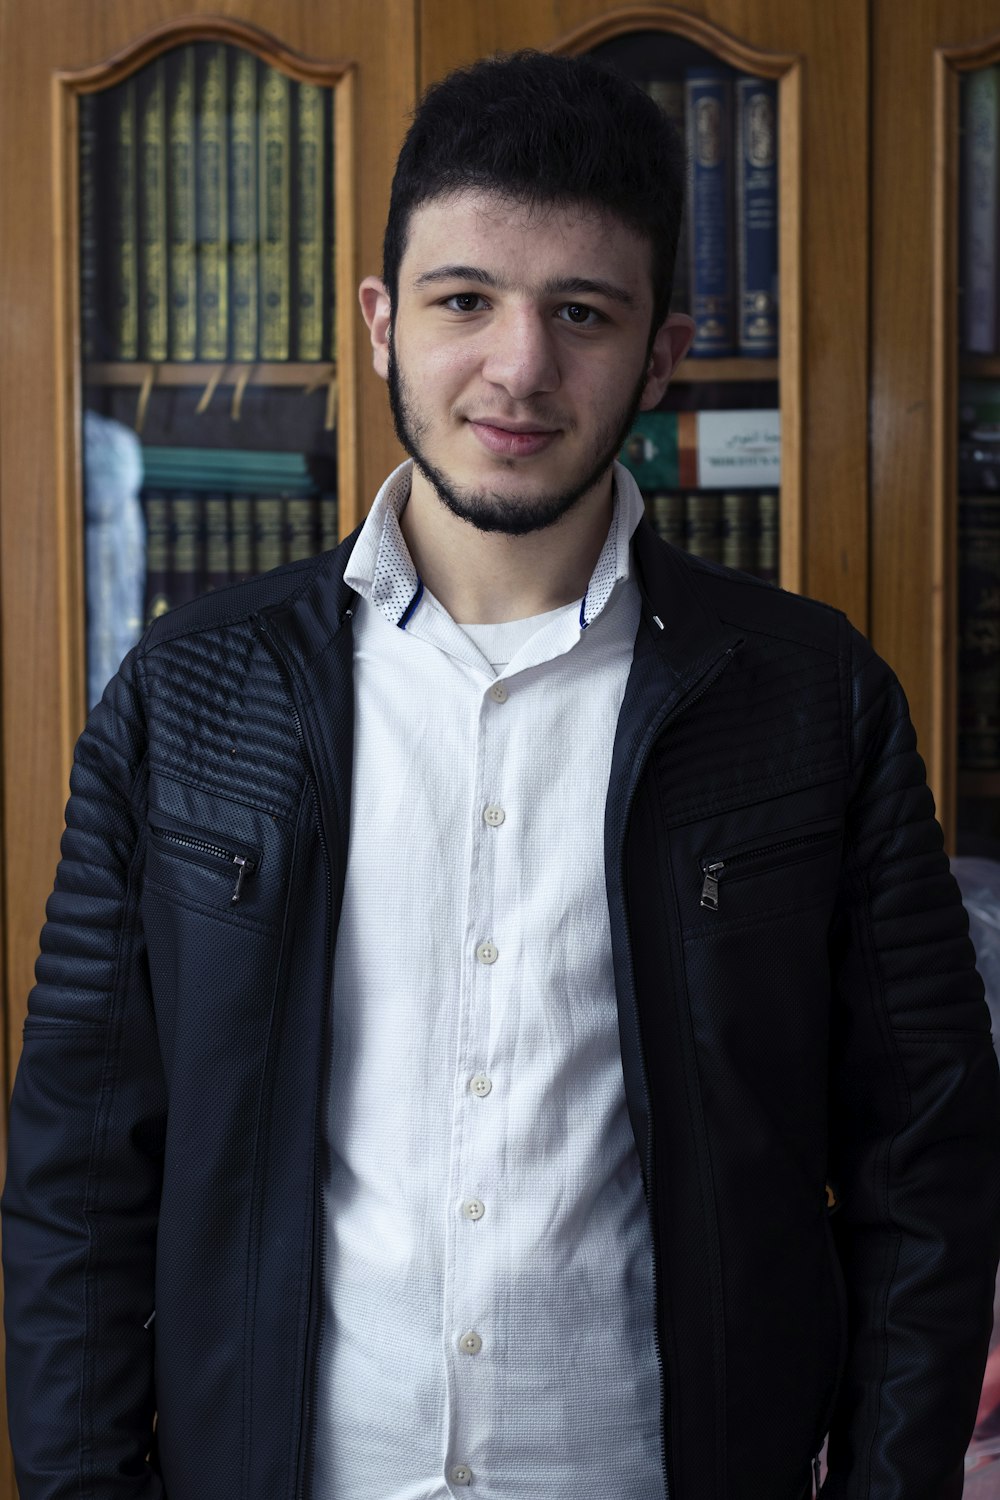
(46, 48)
(918, 65)
(820, 56)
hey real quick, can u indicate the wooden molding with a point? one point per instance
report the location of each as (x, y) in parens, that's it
(725, 46)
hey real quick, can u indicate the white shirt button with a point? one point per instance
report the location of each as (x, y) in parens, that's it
(480, 1085)
(461, 1474)
(470, 1343)
(474, 1209)
(499, 692)
(493, 815)
(487, 953)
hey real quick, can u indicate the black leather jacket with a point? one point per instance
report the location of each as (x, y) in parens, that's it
(798, 1006)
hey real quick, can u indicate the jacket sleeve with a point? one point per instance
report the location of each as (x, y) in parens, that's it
(914, 1124)
(86, 1134)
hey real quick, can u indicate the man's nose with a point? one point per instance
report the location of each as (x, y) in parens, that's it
(521, 355)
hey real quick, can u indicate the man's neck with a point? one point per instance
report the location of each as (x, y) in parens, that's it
(486, 578)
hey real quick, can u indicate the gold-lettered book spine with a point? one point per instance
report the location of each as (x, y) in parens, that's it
(275, 214)
(152, 198)
(182, 274)
(124, 250)
(243, 205)
(309, 217)
(212, 200)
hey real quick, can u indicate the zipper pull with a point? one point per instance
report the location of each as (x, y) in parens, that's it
(816, 1473)
(710, 890)
(244, 867)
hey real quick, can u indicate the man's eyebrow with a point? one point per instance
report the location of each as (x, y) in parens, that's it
(562, 286)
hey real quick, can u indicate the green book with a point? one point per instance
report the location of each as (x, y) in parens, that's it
(269, 537)
(241, 531)
(90, 316)
(188, 560)
(275, 213)
(218, 546)
(152, 201)
(182, 269)
(243, 228)
(124, 254)
(301, 539)
(158, 549)
(212, 200)
(310, 194)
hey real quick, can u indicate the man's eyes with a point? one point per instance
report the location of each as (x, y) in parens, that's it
(578, 314)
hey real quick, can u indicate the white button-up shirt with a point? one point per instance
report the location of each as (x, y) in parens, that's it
(490, 1305)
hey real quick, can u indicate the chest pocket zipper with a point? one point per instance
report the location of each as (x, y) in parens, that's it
(748, 861)
(211, 855)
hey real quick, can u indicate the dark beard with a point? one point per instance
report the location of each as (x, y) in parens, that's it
(490, 512)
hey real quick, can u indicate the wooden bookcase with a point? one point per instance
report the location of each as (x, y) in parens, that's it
(866, 372)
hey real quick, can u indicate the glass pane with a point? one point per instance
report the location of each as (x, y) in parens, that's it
(207, 334)
(708, 459)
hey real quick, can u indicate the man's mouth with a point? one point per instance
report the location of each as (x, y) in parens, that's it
(512, 439)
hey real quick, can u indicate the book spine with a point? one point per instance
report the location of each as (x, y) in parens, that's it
(739, 530)
(275, 214)
(667, 515)
(90, 314)
(212, 203)
(187, 574)
(757, 215)
(703, 526)
(243, 206)
(124, 250)
(310, 186)
(979, 632)
(158, 547)
(152, 199)
(218, 545)
(768, 511)
(709, 95)
(981, 192)
(328, 522)
(301, 529)
(241, 531)
(669, 95)
(268, 539)
(739, 449)
(182, 266)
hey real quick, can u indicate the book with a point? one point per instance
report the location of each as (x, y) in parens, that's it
(274, 204)
(669, 95)
(151, 198)
(768, 510)
(90, 263)
(268, 549)
(709, 96)
(980, 197)
(979, 632)
(756, 214)
(739, 530)
(241, 535)
(703, 526)
(212, 199)
(218, 543)
(187, 556)
(311, 172)
(243, 225)
(158, 549)
(666, 512)
(182, 265)
(123, 249)
(704, 449)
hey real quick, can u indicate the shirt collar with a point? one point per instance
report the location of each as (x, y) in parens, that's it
(381, 569)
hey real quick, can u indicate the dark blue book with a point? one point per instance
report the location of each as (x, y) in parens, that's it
(709, 96)
(757, 215)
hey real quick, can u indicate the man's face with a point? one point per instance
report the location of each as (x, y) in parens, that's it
(517, 354)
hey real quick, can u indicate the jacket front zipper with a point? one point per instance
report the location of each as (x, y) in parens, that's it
(713, 869)
(244, 864)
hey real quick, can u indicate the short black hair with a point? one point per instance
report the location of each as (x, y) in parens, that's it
(545, 130)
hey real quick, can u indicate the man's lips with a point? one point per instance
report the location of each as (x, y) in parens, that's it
(513, 441)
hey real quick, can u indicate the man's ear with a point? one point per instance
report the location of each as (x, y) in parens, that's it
(672, 342)
(377, 309)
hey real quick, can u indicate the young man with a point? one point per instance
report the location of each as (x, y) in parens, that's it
(504, 1004)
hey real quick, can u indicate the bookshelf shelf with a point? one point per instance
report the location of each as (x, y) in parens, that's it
(201, 373)
(691, 370)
